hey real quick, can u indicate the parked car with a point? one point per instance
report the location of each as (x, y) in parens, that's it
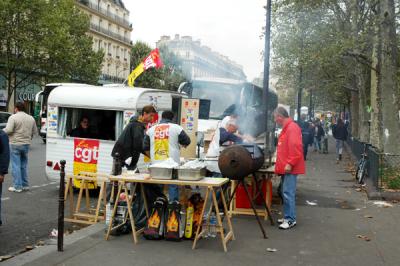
(3, 119)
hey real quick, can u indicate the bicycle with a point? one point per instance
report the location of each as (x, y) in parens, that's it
(362, 171)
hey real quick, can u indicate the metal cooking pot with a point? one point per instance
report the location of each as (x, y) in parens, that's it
(239, 161)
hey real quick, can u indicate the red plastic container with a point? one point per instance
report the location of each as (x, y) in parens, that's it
(241, 197)
(264, 186)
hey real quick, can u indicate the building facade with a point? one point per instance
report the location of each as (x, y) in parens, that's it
(111, 32)
(199, 61)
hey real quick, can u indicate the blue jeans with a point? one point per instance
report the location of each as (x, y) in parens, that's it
(19, 163)
(339, 147)
(289, 197)
(173, 193)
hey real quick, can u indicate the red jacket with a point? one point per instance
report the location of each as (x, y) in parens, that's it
(290, 149)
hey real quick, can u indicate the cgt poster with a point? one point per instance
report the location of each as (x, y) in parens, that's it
(86, 156)
(189, 122)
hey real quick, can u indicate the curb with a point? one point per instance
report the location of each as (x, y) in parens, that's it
(39, 252)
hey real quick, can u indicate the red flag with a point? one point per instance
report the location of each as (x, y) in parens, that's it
(153, 60)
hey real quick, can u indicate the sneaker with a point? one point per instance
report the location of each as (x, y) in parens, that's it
(25, 188)
(13, 189)
(287, 225)
(281, 220)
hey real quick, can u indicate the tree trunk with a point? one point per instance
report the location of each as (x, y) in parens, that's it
(376, 104)
(362, 110)
(389, 89)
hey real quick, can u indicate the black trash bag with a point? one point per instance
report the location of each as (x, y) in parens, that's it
(173, 225)
(138, 207)
(155, 225)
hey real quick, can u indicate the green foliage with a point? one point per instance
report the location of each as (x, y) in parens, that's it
(169, 77)
(45, 40)
(318, 36)
(391, 178)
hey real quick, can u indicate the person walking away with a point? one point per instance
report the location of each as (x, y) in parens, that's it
(4, 162)
(162, 141)
(289, 164)
(339, 132)
(307, 134)
(20, 128)
(319, 134)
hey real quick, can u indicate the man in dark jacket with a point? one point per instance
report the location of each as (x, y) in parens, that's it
(4, 161)
(130, 142)
(306, 134)
(339, 132)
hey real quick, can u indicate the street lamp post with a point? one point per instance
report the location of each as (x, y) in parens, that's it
(267, 148)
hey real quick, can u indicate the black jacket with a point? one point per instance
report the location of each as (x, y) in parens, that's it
(80, 132)
(4, 153)
(130, 142)
(307, 133)
(320, 132)
(339, 132)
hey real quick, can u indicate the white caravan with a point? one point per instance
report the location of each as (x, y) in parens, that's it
(108, 109)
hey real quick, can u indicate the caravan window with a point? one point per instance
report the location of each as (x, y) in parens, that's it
(102, 124)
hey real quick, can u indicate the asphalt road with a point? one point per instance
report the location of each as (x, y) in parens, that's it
(29, 217)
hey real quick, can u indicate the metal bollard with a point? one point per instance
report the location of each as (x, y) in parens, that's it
(60, 236)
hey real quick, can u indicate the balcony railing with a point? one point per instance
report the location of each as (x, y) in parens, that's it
(107, 13)
(110, 33)
(104, 78)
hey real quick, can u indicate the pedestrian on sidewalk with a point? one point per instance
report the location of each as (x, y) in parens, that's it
(4, 162)
(307, 134)
(289, 164)
(319, 134)
(21, 128)
(339, 132)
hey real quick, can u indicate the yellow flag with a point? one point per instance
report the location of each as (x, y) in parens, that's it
(135, 73)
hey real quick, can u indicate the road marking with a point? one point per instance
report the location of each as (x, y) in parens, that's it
(4, 199)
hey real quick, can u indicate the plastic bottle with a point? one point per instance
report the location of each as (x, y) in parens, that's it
(205, 226)
(213, 225)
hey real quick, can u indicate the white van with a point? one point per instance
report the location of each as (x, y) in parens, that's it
(108, 108)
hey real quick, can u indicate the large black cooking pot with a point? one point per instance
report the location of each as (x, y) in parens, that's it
(238, 161)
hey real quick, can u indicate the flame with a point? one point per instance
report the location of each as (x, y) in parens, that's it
(154, 220)
(172, 224)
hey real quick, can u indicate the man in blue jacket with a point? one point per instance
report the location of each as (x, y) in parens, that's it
(4, 161)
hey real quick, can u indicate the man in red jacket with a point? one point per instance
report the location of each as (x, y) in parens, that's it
(289, 164)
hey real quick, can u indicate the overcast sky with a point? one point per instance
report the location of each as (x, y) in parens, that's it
(230, 27)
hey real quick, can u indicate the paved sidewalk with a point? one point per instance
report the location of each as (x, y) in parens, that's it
(331, 214)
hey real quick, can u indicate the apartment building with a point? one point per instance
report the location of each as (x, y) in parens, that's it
(199, 61)
(111, 32)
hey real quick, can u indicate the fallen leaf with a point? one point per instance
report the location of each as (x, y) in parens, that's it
(311, 203)
(383, 204)
(40, 243)
(272, 250)
(5, 257)
(366, 238)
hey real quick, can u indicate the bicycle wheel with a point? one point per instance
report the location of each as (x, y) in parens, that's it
(361, 172)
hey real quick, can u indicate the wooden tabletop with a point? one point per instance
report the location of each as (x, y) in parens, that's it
(270, 169)
(145, 178)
